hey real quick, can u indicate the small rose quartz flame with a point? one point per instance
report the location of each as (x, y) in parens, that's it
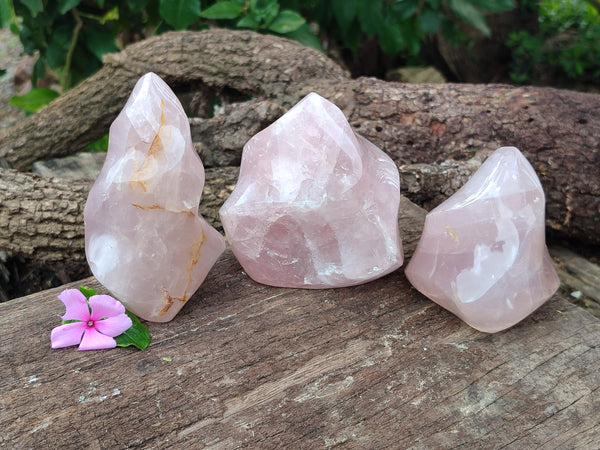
(482, 254)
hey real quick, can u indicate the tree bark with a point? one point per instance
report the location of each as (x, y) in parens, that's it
(557, 130)
(252, 64)
(43, 217)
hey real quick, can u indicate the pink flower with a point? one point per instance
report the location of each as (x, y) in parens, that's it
(96, 323)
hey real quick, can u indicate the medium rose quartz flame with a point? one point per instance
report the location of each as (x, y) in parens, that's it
(316, 205)
(483, 252)
(144, 239)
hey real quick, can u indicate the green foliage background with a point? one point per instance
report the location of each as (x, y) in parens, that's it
(71, 36)
(565, 49)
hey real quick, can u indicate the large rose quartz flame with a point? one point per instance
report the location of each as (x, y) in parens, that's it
(144, 239)
(483, 252)
(316, 205)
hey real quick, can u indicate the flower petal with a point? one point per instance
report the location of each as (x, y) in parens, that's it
(77, 307)
(105, 306)
(114, 326)
(67, 334)
(92, 340)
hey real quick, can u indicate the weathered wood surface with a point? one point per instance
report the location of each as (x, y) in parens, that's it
(579, 274)
(247, 365)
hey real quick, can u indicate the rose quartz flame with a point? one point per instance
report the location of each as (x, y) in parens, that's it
(316, 205)
(144, 239)
(483, 252)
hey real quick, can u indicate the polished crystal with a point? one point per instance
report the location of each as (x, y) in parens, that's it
(482, 254)
(144, 239)
(316, 205)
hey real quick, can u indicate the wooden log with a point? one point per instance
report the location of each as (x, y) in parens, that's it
(578, 274)
(243, 61)
(248, 365)
(556, 129)
(42, 218)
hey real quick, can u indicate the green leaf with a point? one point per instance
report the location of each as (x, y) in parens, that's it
(344, 12)
(223, 10)
(39, 70)
(287, 21)
(99, 145)
(429, 21)
(34, 6)
(264, 11)
(494, 6)
(391, 39)
(404, 10)
(66, 5)
(33, 100)
(137, 335)
(56, 53)
(305, 36)
(88, 292)
(467, 12)
(100, 41)
(137, 5)
(7, 13)
(248, 22)
(111, 15)
(180, 14)
(370, 17)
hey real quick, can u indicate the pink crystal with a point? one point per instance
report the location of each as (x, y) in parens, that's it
(316, 205)
(483, 252)
(144, 239)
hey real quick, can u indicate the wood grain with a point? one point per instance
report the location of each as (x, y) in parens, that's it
(247, 365)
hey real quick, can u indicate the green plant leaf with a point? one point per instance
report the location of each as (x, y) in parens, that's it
(66, 5)
(7, 13)
(88, 292)
(264, 11)
(370, 17)
(305, 36)
(391, 39)
(429, 21)
(57, 50)
(110, 15)
(34, 6)
(33, 100)
(406, 9)
(137, 335)
(467, 12)
(100, 41)
(494, 6)
(344, 12)
(137, 5)
(223, 10)
(286, 22)
(99, 145)
(248, 22)
(180, 14)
